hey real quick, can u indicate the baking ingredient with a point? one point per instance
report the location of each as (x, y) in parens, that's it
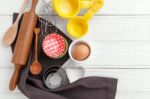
(23, 44)
(11, 33)
(80, 51)
(36, 67)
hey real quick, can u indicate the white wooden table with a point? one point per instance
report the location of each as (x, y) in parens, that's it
(120, 36)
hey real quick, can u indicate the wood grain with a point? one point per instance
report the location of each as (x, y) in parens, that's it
(106, 55)
(112, 7)
(120, 37)
(105, 28)
(134, 80)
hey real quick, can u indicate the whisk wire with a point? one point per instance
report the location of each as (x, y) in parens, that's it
(45, 22)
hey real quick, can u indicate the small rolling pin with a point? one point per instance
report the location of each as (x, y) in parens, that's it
(23, 44)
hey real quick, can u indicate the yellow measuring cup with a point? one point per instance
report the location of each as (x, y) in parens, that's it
(69, 8)
(78, 26)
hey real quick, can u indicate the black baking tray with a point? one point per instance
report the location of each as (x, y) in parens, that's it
(45, 61)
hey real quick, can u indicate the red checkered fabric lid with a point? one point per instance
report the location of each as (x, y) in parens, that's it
(54, 45)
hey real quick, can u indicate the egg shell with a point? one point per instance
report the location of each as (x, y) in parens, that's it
(81, 52)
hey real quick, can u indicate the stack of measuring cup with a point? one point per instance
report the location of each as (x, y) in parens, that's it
(69, 9)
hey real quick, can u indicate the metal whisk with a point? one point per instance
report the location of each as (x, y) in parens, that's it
(48, 19)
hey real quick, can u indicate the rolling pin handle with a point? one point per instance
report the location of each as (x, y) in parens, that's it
(14, 80)
(34, 3)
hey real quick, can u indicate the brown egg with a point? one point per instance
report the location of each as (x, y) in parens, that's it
(81, 52)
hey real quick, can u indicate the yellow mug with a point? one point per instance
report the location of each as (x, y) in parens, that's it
(69, 8)
(78, 26)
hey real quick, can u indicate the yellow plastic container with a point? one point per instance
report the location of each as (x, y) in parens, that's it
(69, 8)
(78, 26)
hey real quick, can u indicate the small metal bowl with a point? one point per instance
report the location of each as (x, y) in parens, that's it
(55, 77)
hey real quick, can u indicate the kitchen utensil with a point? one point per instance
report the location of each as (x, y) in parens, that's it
(23, 44)
(54, 45)
(55, 77)
(36, 67)
(81, 51)
(78, 26)
(69, 8)
(11, 33)
(45, 21)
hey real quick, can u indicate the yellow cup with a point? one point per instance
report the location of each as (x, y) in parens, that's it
(69, 8)
(78, 26)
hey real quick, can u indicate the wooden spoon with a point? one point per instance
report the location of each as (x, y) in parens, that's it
(11, 33)
(23, 43)
(36, 67)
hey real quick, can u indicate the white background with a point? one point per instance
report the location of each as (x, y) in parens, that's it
(120, 36)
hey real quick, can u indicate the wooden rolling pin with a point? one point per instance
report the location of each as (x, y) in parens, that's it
(23, 44)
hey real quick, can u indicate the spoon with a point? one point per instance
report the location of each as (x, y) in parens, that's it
(11, 33)
(36, 67)
(78, 26)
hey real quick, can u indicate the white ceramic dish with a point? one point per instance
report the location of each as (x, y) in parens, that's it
(72, 46)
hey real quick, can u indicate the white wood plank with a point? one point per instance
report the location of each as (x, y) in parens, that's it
(119, 29)
(120, 95)
(129, 80)
(119, 54)
(5, 58)
(111, 7)
(133, 95)
(5, 88)
(125, 7)
(5, 23)
(105, 55)
(121, 44)
(12, 95)
(122, 29)
(115, 28)
(124, 48)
